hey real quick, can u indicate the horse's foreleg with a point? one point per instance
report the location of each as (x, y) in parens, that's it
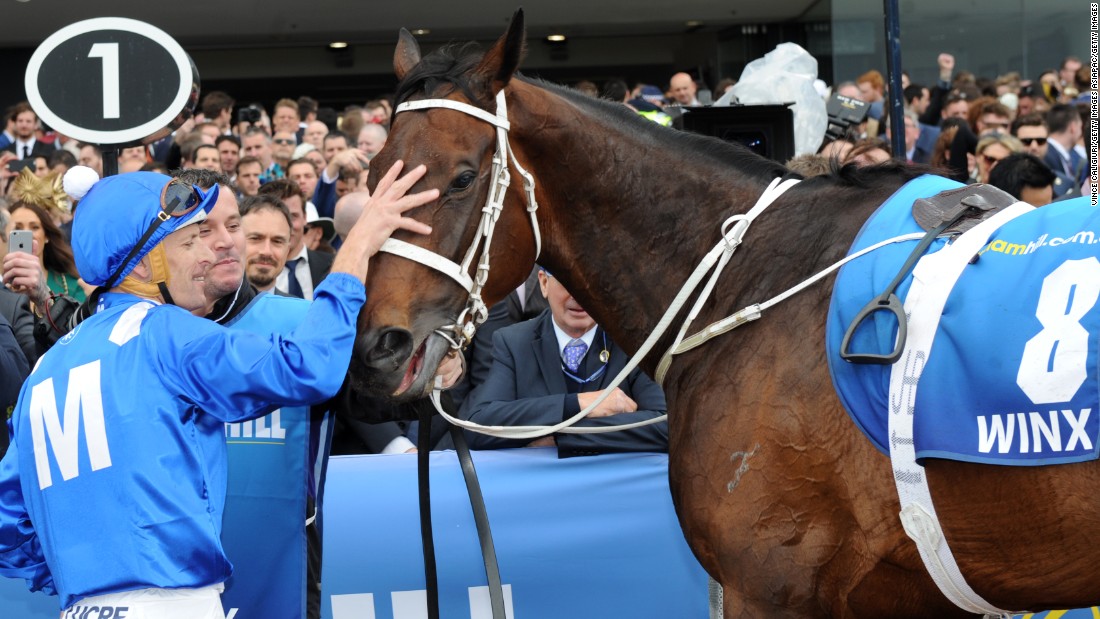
(736, 606)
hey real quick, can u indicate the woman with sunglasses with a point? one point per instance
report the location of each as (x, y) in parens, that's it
(112, 491)
(990, 150)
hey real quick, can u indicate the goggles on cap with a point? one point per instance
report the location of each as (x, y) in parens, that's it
(177, 199)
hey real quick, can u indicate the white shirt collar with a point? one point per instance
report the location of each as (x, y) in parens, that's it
(564, 339)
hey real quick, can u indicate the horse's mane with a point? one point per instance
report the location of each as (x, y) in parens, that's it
(686, 145)
(451, 65)
(869, 177)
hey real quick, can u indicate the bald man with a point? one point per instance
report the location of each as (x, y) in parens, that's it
(683, 89)
(347, 211)
(372, 138)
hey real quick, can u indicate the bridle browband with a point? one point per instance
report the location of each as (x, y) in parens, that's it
(461, 333)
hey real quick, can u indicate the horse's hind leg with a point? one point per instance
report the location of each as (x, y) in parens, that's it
(884, 595)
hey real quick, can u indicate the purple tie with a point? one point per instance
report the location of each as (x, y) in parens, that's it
(573, 353)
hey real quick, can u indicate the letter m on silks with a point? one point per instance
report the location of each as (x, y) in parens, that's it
(83, 399)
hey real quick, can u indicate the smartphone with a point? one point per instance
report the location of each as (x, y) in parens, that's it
(19, 164)
(20, 241)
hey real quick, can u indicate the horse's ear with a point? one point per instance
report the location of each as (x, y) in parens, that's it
(502, 60)
(407, 54)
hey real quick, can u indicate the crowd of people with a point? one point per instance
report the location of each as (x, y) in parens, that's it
(1025, 137)
(292, 183)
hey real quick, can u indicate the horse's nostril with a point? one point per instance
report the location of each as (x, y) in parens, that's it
(393, 347)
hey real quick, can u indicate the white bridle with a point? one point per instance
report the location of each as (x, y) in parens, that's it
(461, 333)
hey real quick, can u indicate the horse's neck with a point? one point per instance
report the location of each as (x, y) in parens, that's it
(625, 219)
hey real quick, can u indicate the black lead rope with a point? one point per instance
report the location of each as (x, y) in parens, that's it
(481, 519)
(477, 504)
(423, 452)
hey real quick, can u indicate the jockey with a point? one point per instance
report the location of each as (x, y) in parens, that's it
(111, 494)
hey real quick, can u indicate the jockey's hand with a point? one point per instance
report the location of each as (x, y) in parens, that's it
(617, 402)
(382, 214)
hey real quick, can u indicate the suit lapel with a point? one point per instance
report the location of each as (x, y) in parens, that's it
(319, 266)
(545, 350)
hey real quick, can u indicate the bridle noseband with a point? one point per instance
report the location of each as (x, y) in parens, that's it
(461, 333)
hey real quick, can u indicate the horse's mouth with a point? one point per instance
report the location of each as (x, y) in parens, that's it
(412, 372)
(417, 381)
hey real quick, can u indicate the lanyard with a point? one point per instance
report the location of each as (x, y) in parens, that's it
(605, 355)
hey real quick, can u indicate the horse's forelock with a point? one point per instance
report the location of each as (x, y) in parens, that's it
(449, 65)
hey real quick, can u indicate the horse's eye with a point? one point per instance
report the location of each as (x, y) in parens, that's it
(463, 182)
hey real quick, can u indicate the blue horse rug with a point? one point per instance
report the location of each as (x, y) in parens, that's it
(1012, 374)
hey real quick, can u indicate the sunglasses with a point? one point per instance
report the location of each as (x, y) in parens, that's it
(177, 199)
(285, 141)
(990, 160)
(1030, 141)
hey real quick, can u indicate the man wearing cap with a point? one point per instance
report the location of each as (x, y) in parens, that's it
(112, 491)
(319, 231)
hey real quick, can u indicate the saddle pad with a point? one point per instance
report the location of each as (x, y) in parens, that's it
(1011, 377)
(864, 389)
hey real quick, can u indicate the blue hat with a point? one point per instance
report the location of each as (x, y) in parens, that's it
(652, 94)
(114, 216)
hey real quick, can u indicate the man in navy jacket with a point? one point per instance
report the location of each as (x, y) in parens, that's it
(549, 368)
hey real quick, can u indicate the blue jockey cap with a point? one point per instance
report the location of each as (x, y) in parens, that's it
(118, 211)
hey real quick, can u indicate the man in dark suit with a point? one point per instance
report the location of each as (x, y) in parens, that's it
(1065, 129)
(26, 144)
(305, 268)
(16, 311)
(548, 369)
(13, 371)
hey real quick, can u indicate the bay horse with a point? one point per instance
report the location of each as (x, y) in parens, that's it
(781, 498)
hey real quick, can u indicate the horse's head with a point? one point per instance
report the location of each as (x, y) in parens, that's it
(413, 310)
